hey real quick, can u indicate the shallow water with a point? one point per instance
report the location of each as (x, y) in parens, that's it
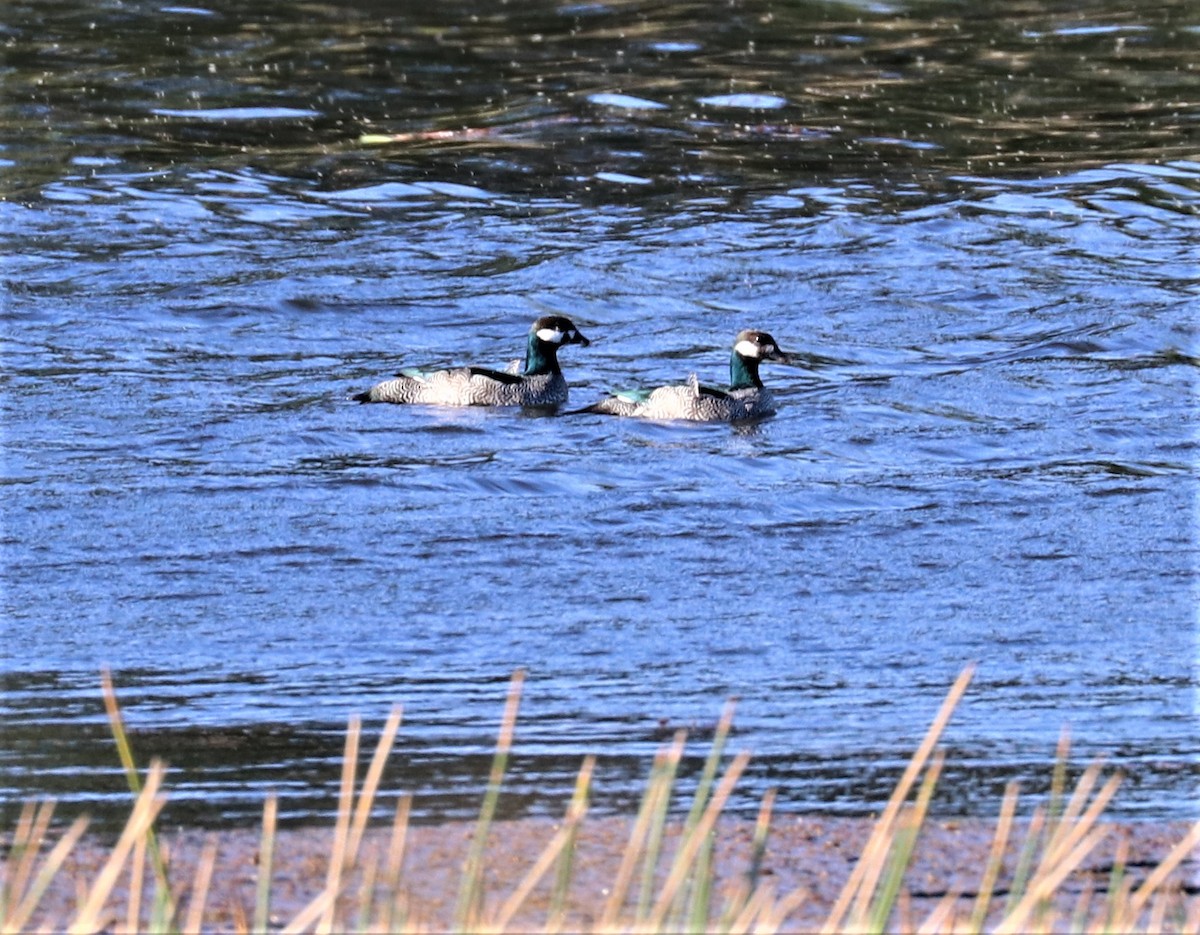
(974, 228)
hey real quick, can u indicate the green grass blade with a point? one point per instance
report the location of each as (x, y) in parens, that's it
(90, 913)
(903, 844)
(991, 873)
(1118, 888)
(685, 854)
(762, 832)
(266, 865)
(164, 905)
(1058, 782)
(566, 863)
(858, 882)
(655, 788)
(700, 894)
(711, 764)
(704, 787)
(469, 907)
(1024, 866)
(662, 783)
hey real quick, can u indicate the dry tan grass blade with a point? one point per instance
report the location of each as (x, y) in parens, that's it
(876, 848)
(145, 810)
(873, 900)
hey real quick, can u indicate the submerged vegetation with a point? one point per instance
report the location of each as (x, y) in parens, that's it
(662, 881)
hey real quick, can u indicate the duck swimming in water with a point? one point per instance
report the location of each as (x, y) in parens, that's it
(539, 382)
(744, 398)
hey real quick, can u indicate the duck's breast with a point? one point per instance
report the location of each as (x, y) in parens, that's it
(752, 403)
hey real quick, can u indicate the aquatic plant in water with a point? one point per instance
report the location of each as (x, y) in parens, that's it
(654, 887)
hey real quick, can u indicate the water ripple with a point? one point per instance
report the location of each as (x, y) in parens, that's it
(984, 448)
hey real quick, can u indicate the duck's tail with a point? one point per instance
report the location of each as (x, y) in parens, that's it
(615, 405)
(583, 410)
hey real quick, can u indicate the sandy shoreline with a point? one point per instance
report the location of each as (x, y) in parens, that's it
(812, 854)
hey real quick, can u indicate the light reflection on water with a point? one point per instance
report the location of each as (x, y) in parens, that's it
(985, 451)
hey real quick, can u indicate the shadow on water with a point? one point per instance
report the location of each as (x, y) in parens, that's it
(548, 98)
(973, 225)
(214, 768)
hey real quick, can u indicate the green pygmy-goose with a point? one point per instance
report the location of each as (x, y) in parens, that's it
(539, 382)
(744, 398)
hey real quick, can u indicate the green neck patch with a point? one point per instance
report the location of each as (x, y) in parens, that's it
(743, 372)
(540, 357)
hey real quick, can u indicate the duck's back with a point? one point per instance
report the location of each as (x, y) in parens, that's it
(690, 402)
(469, 386)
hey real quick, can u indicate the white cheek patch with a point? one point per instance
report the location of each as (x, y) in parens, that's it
(747, 349)
(551, 336)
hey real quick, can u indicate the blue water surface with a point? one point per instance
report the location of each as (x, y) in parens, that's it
(985, 451)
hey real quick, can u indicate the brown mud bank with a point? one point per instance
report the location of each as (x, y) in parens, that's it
(810, 856)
